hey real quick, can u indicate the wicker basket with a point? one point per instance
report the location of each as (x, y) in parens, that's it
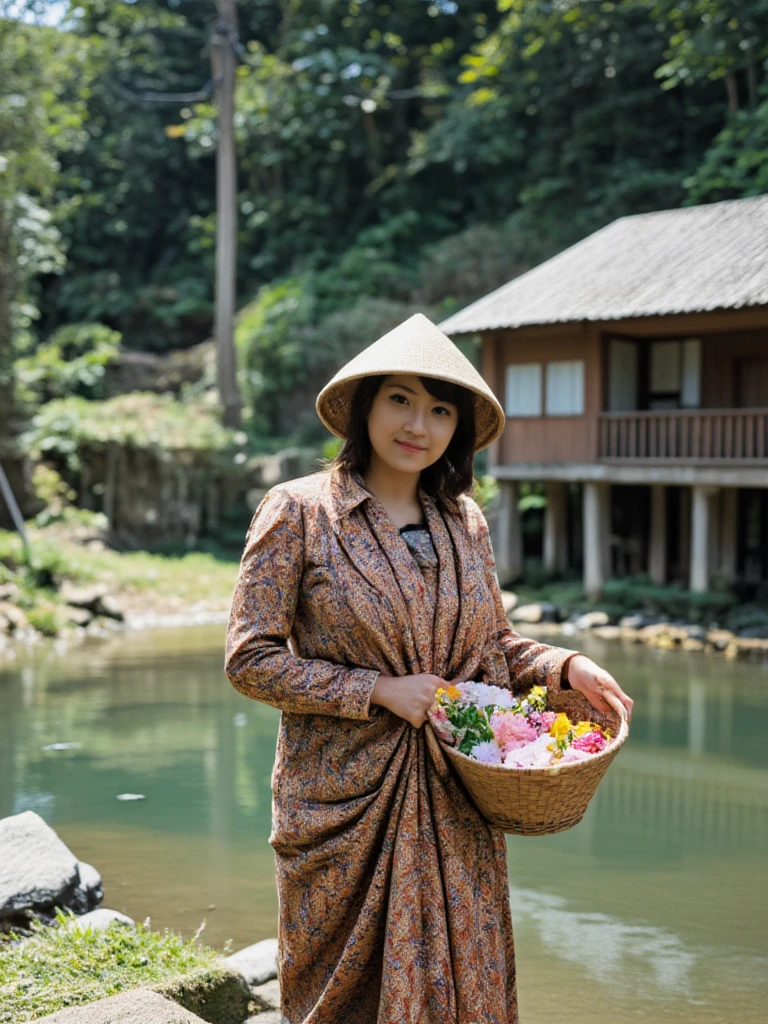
(536, 801)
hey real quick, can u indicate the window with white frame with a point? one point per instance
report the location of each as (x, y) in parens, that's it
(523, 389)
(675, 374)
(565, 388)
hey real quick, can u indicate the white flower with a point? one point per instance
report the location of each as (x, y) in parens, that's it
(482, 694)
(488, 752)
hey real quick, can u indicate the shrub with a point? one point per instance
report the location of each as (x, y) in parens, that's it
(71, 361)
(45, 620)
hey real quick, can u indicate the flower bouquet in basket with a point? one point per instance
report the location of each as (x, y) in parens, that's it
(531, 768)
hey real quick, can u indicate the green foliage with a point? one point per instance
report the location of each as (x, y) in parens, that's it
(50, 563)
(736, 164)
(288, 349)
(141, 420)
(331, 448)
(710, 39)
(632, 594)
(71, 362)
(472, 726)
(752, 616)
(204, 577)
(53, 491)
(70, 964)
(42, 92)
(388, 160)
(486, 490)
(629, 595)
(47, 621)
(470, 263)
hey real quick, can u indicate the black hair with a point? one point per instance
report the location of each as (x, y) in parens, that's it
(445, 479)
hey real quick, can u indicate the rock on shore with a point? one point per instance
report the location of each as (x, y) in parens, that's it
(39, 873)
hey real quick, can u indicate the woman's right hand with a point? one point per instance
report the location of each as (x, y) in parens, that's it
(410, 697)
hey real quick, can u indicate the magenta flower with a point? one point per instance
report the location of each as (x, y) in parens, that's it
(590, 742)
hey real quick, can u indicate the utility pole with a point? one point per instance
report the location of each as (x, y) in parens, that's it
(223, 63)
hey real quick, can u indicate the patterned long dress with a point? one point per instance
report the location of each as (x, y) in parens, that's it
(393, 892)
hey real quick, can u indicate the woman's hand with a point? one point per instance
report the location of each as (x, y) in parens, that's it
(410, 697)
(594, 682)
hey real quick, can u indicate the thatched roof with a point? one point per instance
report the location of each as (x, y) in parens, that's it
(673, 261)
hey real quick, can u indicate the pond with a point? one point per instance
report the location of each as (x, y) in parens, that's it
(653, 908)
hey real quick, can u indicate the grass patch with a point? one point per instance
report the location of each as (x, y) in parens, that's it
(169, 580)
(59, 967)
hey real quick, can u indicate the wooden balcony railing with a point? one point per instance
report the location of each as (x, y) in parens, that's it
(684, 435)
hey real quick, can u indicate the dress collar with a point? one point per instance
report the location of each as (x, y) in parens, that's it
(348, 491)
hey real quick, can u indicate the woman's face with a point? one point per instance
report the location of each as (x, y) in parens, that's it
(409, 428)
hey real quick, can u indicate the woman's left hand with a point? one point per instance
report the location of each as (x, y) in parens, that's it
(591, 680)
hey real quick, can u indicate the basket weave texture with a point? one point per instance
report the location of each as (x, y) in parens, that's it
(537, 801)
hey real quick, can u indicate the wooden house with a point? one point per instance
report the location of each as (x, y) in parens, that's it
(633, 370)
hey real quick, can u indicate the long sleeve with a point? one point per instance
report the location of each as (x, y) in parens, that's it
(530, 663)
(258, 661)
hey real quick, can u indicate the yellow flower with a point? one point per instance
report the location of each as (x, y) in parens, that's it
(560, 727)
(582, 728)
(453, 692)
(440, 692)
(538, 691)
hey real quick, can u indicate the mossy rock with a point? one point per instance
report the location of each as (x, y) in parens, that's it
(220, 996)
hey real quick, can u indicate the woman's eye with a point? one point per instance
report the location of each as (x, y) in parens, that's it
(442, 409)
(396, 397)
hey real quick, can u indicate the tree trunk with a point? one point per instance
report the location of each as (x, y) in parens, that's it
(732, 90)
(223, 61)
(752, 83)
(7, 282)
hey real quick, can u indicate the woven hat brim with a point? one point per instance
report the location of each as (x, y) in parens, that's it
(417, 346)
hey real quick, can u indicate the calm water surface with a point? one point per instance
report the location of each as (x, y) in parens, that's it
(654, 908)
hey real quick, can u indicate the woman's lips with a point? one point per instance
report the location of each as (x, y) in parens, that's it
(410, 447)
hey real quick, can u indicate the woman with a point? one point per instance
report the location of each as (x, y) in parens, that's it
(393, 892)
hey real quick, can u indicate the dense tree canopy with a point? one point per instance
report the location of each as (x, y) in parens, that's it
(391, 156)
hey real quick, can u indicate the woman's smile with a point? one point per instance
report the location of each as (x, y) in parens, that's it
(408, 447)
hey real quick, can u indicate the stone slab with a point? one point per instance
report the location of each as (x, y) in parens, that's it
(99, 920)
(256, 963)
(139, 1006)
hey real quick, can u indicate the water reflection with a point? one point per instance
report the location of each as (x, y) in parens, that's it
(601, 944)
(664, 883)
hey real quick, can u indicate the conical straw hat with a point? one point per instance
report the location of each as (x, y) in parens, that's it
(415, 346)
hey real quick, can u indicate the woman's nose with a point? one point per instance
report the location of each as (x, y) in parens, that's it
(416, 422)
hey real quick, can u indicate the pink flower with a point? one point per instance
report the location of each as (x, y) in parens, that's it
(541, 720)
(488, 752)
(590, 742)
(511, 730)
(441, 723)
(574, 755)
